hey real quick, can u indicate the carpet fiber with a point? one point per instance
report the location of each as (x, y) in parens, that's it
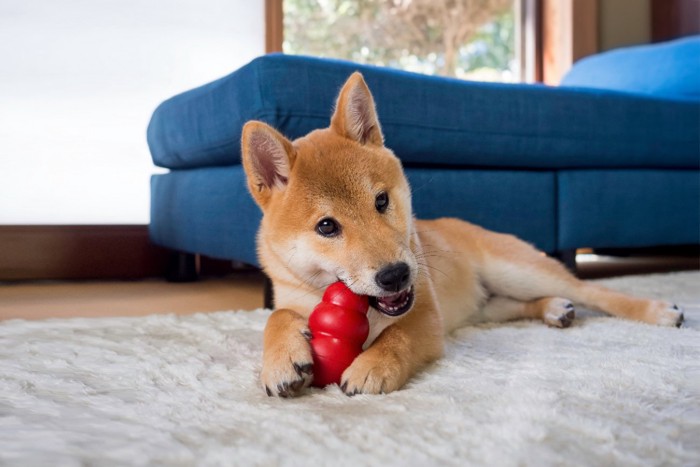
(172, 390)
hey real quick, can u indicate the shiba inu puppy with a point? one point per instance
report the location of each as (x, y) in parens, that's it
(336, 206)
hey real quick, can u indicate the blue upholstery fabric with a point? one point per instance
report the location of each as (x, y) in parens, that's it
(209, 210)
(628, 208)
(669, 70)
(430, 120)
(517, 202)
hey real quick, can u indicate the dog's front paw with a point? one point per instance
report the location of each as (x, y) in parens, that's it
(373, 373)
(664, 314)
(288, 366)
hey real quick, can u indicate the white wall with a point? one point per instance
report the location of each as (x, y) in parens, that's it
(78, 82)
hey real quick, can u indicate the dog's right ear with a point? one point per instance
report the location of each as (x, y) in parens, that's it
(267, 159)
(355, 116)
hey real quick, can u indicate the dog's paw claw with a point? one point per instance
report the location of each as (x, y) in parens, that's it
(352, 393)
(558, 312)
(303, 369)
(287, 374)
(290, 389)
(665, 314)
(291, 385)
(344, 388)
(372, 374)
(680, 320)
(567, 319)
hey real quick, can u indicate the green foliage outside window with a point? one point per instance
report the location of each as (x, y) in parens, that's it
(472, 39)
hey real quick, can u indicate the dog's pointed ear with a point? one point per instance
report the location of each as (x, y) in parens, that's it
(355, 116)
(267, 159)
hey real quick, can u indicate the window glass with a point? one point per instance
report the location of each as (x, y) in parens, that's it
(78, 83)
(469, 39)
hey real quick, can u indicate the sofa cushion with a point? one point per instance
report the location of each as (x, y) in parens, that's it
(627, 208)
(518, 202)
(429, 120)
(669, 70)
(210, 211)
(207, 211)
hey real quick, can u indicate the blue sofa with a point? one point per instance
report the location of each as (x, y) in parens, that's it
(610, 159)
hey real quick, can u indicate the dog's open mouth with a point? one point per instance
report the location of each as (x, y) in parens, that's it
(394, 305)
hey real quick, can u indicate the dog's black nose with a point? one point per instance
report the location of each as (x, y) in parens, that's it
(393, 277)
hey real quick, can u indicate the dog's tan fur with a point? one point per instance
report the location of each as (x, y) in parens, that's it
(461, 273)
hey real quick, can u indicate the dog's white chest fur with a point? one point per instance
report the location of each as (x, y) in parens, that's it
(378, 322)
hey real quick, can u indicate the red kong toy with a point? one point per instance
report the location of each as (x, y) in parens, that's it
(339, 327)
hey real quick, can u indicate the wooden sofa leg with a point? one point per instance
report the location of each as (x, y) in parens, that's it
(568, 259)
(269, 294)
(182, 267)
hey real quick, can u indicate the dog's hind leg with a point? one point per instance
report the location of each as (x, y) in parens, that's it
(512, 268)
(556, 312)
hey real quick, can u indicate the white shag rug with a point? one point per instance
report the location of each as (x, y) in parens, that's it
(169, 390)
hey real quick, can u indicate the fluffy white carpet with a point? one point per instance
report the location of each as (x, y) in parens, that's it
(170, 390)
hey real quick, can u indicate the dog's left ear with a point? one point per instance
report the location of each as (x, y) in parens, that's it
(355, 116)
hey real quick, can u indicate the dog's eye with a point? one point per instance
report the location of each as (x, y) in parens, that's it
(328, 227)
(381, 202)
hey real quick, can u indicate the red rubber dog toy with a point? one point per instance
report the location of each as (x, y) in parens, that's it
(339, 327)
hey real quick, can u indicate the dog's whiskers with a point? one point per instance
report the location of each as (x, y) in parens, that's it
(314, 289)
(426, 265)
(293, 251)
(307, 281)
(427, 246)
(431, 254)
(420, 187)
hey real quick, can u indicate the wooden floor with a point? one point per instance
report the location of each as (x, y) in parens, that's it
(38, 300)
(239, 291)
